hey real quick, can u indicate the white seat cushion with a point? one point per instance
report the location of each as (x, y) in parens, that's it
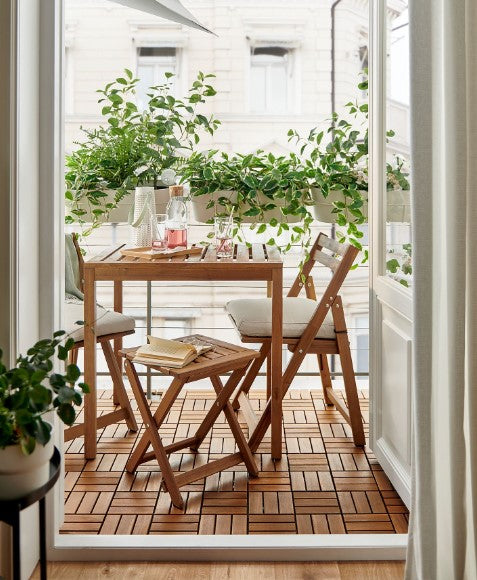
(253, 317)
(107, 321)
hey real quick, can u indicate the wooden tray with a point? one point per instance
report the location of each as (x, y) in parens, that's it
(148, 254)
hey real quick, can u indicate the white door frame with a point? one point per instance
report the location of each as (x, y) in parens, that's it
(386, 295)
(85, 547)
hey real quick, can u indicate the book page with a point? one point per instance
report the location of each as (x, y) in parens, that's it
(163, 348)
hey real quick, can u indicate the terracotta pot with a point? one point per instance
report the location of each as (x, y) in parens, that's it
(202, 214)
(121, 213)
(21, 474)
(398, 205)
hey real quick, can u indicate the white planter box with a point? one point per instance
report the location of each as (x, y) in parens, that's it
(398, 206)
(21, 474)
(202, 214)
(121, 213)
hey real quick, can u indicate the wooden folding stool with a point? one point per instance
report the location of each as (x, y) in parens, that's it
(224, 357)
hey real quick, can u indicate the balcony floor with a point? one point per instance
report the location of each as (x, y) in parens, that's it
(322, 485)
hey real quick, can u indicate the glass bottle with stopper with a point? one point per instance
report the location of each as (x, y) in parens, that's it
(176, 219)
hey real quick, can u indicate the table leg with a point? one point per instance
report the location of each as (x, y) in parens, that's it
(118, 342)
(15, 522)
(276, 363)
(90, 403)
(42, 539)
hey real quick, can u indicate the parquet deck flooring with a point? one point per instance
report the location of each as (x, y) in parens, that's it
(322, 485)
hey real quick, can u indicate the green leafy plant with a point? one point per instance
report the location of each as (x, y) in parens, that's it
(269, 189)
(132, 147)
(31, 389)
(399, 264)
(336, 161)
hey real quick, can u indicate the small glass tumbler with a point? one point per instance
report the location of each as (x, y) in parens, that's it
(158, 231)
(224, 235)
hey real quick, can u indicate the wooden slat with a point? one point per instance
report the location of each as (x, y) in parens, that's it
(258, 253)
(326, 260)
(242, 254)
(107, 253)
(209, 469)
(102, 421)
(332, 245)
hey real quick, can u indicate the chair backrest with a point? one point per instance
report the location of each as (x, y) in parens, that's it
(79, 258)
(339, 258)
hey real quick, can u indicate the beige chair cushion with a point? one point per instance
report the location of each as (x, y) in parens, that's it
(107, 321)
(253, 317)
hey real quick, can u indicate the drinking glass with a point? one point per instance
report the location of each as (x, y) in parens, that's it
(224, 233)
(158, 231)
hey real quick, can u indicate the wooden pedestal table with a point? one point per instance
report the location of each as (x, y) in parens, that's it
(247, 264)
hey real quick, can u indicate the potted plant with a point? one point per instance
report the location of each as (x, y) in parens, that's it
(132, 147)
(260, 189)
(29, 391)
(336, 162)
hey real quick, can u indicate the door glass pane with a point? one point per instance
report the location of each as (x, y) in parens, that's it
(398, 195)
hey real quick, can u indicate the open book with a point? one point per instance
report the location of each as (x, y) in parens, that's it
(169, 353)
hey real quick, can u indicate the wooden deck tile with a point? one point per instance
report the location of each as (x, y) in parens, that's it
(322, 485)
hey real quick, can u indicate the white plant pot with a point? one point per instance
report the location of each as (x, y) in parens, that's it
(21, 474)
(202, 214)
(323, 206)
(398, 205)
(121, 213)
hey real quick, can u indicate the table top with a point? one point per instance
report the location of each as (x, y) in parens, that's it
(11, 505)
(254, 262)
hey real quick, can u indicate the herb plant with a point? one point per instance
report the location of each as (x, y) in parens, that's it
(133, 147)
(31, 389)
(252, 186)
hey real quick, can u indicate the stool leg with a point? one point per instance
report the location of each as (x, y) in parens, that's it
(170, 396)
(119, 385)
(236, 430)
(153, 435)
(251, 374)
(217, 408)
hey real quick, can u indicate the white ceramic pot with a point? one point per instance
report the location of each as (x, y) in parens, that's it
(398, 205)
(202, 214)
(323, 207)
(121, 213)
(21, 474)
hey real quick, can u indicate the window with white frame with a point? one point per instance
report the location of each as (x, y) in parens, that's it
(271, 74)
(153, 62)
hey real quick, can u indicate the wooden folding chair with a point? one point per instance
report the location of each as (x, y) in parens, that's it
(111, 326)
(224, 357)
(309, 327)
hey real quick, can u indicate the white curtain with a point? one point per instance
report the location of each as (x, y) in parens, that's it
(442, 538)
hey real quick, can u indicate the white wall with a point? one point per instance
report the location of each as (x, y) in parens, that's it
(20, 106)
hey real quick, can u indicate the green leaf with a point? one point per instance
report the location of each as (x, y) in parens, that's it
(72, 373)
(66, 413)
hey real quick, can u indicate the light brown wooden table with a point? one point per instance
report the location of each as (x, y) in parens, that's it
(259, 262)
